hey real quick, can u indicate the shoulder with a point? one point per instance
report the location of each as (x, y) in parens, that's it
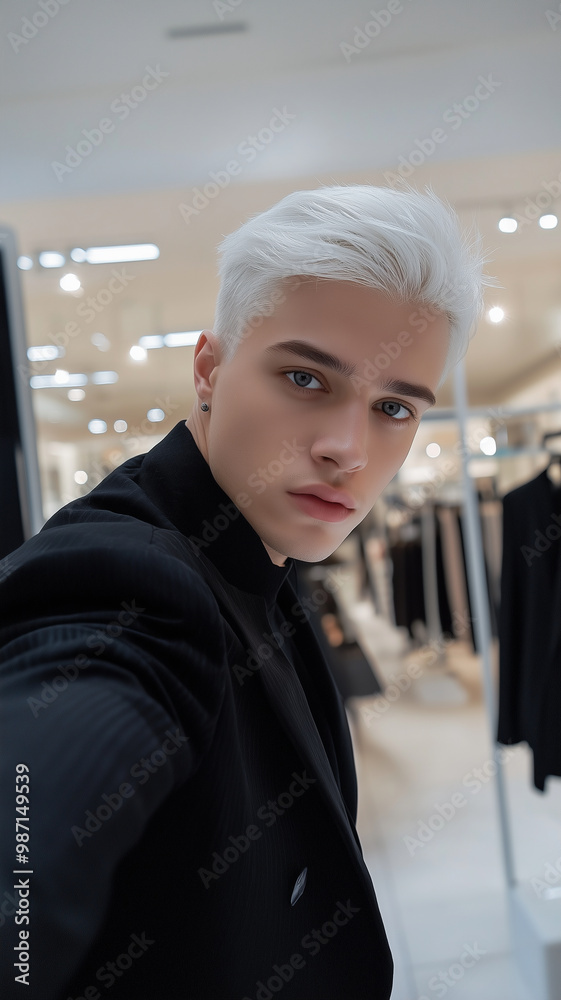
(86, 565)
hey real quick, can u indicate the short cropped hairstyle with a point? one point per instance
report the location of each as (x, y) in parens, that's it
(401, 242)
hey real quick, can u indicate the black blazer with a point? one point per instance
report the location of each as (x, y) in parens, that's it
(192, 792)
(530, 624)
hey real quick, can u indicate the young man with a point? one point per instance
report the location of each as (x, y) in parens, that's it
(179, 748)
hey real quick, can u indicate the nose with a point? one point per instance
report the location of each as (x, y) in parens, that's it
(343, 438)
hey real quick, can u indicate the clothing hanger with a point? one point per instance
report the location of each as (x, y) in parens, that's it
(554, 467)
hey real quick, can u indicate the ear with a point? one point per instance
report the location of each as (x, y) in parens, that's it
(208, 355)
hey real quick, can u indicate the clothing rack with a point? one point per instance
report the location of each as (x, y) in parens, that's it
(477, 585)
(475, 567)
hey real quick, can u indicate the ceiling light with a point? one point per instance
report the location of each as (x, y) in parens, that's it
(137, 353)
(120, 426)
(80, 477)
(47, 352)
(488, 445)
(155, 415)
(24, 263)
(57, 380)
(97, 427)
(151, 342)
(548, 221)
(76, 395)
(182, 339)
(78, 255)
(433, 450)
(496, 314)
(51, 258)
(104, 378)
(200, 30)
(100, 341)
(70, 283)
(507, 224)
(120, 254)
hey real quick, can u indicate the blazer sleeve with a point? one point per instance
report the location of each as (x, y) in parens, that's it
(112, 671)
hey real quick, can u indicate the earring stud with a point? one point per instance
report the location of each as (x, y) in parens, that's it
(205, 406)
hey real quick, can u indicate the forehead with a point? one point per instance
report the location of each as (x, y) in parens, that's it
(342, 325)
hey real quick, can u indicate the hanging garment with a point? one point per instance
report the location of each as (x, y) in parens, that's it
(407, 582)
(530, 624)
(455, 569)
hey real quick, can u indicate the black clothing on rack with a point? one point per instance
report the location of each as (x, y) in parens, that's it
(530, 624)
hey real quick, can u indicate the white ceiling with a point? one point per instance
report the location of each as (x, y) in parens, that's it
(353, 119)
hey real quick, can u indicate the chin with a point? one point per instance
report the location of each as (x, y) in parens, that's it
(310, 552)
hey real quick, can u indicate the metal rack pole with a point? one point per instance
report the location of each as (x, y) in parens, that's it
(477, 584)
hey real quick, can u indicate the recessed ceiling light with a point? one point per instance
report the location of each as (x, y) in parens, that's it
(196, 31)
(25, 263)
(70, 283)
(51, 258)
(186, 339)
(120, 254)
(488, 445)
(138, 353)
(47, 352)
(496, 314)
(100, 341)
(548, 221)
(151, 341)
(104, 378)
(97, 427)
(507, 224)
(58, 380)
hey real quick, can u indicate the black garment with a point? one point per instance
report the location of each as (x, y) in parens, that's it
(530, 624)
(192, 824)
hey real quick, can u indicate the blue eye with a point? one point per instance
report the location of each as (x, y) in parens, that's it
(391, 408)
(306, 375)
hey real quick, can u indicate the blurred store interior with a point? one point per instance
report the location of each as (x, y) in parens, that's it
(164, 126)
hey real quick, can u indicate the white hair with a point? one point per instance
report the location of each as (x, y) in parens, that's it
(401, 242)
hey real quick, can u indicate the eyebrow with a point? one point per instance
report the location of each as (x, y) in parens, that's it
(345, 368)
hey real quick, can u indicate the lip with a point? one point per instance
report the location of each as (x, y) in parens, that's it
(320, 509)
(329, 494)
